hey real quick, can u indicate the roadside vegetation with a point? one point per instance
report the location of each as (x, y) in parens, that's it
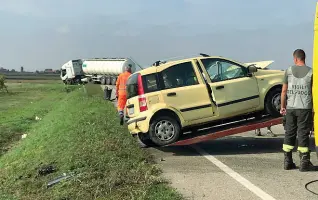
(3, 85)
(68, 132)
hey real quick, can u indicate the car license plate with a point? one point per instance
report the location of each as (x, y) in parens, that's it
(130, 111)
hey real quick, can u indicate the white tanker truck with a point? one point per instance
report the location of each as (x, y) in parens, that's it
(98, 70)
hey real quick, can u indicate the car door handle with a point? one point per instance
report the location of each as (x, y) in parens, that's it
(219, 87)
(171, 94)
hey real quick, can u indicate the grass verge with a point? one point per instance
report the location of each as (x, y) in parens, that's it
(20, 107)
(77, 134)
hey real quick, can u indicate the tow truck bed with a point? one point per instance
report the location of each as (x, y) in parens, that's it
(226, 130)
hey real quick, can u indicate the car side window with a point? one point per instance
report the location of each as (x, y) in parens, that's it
(221, 70)
(180, 75)
(213, 68)
(150, 83)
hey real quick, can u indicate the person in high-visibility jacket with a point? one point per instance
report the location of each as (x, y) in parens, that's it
(297, 106)
(121, 92)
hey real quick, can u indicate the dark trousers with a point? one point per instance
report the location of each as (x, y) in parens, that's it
(298, 122)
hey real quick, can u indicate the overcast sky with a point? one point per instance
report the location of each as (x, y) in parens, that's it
(41, 34)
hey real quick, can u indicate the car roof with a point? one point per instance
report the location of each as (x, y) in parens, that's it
(153, 69)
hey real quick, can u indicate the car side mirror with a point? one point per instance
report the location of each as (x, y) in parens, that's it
(251, 69)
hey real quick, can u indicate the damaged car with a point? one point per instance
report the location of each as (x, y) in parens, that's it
(170, 97)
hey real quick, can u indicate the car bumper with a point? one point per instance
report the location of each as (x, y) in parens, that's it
(138, 125)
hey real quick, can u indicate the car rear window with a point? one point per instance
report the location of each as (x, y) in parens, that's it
(132, 86)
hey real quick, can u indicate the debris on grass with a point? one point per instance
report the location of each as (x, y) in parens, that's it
(37, 118)
(24, 136)
(46, 169)
(59, 179)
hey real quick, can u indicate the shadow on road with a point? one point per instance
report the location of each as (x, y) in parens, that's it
(234, 145)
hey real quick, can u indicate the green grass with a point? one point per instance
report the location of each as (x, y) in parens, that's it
(20, 107)
(78, 133)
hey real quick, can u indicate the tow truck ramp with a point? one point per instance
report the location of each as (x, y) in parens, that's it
(220, 131)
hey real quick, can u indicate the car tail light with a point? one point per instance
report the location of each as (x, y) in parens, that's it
(141, 95)
(142, 103)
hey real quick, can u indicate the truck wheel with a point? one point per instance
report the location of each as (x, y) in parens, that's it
(106, 97)
(103, 80)
(113, 81)
(164, 130)
(272, 102)
(69, 82)
(107, 80)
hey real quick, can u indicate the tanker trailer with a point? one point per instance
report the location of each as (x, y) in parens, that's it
(106, 71)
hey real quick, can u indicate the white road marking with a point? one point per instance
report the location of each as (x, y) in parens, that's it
(253, 188)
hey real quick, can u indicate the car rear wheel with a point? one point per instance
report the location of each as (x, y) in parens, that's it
(144, 138)
(273, 102)
(164, 130)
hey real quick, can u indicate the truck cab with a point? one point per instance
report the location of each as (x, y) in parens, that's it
(71, 72)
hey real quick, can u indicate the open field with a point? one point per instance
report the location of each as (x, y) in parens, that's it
(30, 76)
(32, 81)
(33, 78)
(71, 132)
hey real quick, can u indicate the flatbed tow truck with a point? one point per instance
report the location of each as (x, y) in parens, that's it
(254, 124)
(227, 129)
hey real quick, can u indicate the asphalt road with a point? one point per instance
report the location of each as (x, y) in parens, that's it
(241, 166)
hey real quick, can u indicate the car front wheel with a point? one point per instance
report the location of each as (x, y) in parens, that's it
(164, 130)
(273, 102)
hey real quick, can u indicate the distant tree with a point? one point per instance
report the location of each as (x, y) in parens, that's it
(2, 83)
(12, 70)
(22, 68)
